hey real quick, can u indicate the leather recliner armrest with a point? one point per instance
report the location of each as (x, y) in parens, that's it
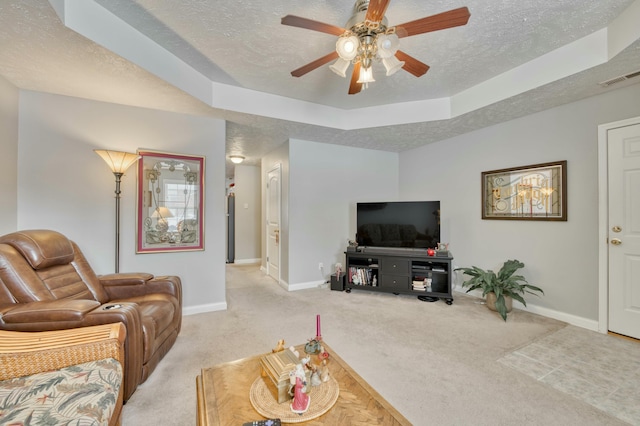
(124, 286)
(133, 278)
(62, 310)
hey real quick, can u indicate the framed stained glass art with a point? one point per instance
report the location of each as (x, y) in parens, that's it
(536, 192)
(170, 209)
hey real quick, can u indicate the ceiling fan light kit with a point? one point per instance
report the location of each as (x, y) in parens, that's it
(347, 47)
(392, 65)
(366, 76)
(340, 67)
(387, 45)
(367, 39)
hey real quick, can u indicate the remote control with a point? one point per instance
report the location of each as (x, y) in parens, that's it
(270, 422)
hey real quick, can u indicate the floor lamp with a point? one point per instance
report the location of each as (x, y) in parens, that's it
(119, 162)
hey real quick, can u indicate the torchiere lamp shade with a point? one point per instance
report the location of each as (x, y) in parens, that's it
(118, 161)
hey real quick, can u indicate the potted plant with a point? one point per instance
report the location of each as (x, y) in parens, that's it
(499, 289)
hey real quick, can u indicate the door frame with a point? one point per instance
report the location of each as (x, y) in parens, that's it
(277, 167)
(603, 220)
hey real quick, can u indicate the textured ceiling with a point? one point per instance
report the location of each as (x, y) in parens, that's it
(242, 44)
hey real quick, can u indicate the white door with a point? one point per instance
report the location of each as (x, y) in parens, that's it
(624, 229)
(273, 223)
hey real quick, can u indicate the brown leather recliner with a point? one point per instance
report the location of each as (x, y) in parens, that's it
(46, 283)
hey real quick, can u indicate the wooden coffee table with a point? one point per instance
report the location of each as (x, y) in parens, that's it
(223, 396)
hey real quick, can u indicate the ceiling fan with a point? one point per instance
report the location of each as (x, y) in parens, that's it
(367, 38)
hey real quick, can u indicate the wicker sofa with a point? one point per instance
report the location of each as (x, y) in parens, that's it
(63, 376)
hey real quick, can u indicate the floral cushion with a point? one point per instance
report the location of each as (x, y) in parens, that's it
(84, 394)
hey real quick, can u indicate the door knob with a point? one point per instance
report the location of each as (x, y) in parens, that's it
(616, 229)
(616, 242)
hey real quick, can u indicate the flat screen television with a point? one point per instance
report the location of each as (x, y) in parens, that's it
(410, 224)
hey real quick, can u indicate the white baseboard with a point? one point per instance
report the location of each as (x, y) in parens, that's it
(283, 284)
(304, 286)
(300, 286)
(200, 309)
(246, 261)
(589, 324)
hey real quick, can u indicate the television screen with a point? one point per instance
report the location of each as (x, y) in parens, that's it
(411, 224)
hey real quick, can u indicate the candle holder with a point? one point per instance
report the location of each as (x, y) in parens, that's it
(318, 333)
(312, 347)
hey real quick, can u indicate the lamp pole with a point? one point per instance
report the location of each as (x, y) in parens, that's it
(118, 179)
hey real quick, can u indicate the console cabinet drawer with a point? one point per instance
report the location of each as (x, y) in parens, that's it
(392, 265)
(395, 282)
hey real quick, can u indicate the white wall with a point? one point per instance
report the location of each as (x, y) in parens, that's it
(63, 185)
(325, 183)
(560, 257)
(9, 97)
(247, 214)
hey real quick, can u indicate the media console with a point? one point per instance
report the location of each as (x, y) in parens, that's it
(399, 271)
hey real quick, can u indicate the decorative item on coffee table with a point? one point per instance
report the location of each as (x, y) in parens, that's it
(286, 376)
(301, 387)
(279, 347)
(276, 368)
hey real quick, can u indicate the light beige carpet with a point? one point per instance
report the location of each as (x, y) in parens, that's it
(437, 364)
(602, 370)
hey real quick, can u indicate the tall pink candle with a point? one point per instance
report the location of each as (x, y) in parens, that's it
(318, 326)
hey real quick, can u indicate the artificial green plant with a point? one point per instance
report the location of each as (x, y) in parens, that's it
(505, 283)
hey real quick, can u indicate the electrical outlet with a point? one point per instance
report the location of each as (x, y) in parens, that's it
(320, 266)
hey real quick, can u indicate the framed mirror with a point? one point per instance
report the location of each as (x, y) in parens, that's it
(170, 208)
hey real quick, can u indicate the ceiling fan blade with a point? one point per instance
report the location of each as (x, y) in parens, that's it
(354, 86)
(412, 65)
(441, 21)
(315, 64)
(376, 10)
(310, 24)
